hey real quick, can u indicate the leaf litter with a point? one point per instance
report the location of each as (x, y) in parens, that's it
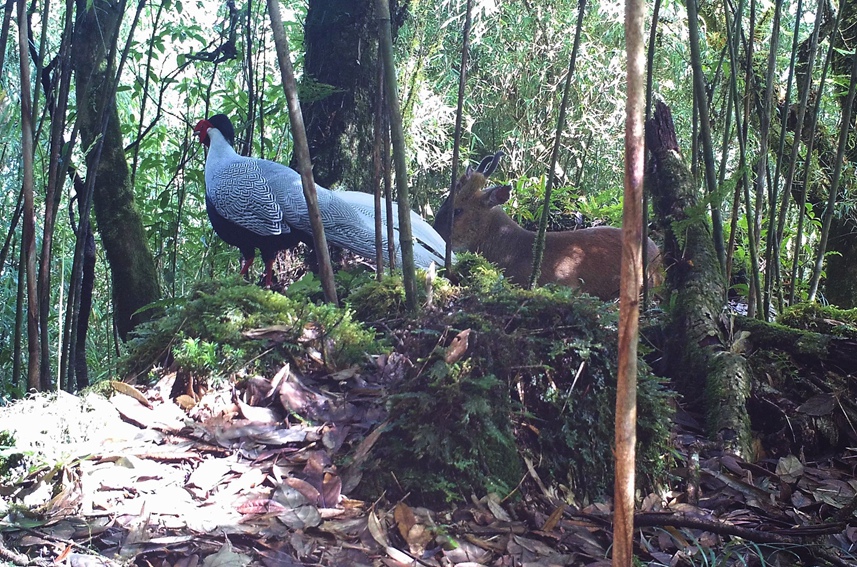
(248, 477)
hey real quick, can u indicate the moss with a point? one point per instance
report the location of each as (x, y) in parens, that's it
(823, 319)
(538, 377)
(374, 300)
(207, 332)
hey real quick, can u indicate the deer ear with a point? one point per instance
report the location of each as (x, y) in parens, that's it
(498, 194)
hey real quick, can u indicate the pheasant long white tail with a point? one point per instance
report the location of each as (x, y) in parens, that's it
(429, 246)
(266, 198)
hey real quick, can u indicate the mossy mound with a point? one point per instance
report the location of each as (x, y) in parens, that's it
(821, 319)
(536, 377)
(210, 332)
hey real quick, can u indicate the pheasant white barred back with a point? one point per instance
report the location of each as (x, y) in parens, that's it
(257, 202)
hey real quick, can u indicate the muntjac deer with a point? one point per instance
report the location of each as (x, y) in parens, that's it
(588, 258)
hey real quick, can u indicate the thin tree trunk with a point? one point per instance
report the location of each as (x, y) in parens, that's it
(807, 168)
(539, 246)
(631, 280)
(17, 363)
(775, 230)
(650, 63)
(456, 141)
(29, 222)
(144, 98)
(388, 182)
(761, 169)
(13, 226)
(804, 97)
(378, 169)
(56, 104)
(834, 185)
(302, 152)
(705, 130)
(406, 241)
(248, 71)
(733, 33)
(754, 294)
(9, 7)
(744, 184)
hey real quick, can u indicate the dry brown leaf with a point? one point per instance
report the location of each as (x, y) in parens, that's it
(820, 405)
(404, 518)
(309, 492)
(345, 374)
(459, 345)
(554, 518)
(130, 390)
(331, 489)
(257, 414)
(379, 534)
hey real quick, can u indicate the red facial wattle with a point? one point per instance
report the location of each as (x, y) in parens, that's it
(201, 130)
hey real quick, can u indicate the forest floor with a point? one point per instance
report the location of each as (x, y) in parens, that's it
(135, 479)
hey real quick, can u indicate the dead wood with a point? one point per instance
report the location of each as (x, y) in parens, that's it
(697, 354)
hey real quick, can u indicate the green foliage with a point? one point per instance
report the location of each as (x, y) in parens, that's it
(206, 333)
(374, 300)
(10, 458)
(452, 429)
(529, 195)
(478, 275)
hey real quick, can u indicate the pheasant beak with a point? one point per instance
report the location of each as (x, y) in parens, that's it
(201, 130)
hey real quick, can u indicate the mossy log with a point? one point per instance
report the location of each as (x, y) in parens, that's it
(697, 352)
(806, 345)
(802, 402)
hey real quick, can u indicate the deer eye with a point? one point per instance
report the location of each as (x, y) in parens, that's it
(457, 212)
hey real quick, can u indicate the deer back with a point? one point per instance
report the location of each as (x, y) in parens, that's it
(588, 259)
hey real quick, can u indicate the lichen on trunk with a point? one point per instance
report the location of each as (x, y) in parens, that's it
(698, 356)
(132, 267)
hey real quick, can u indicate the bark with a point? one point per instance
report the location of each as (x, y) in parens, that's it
(28, 243)
(456, 141)
(8, 8)
(631, 280)
(397, 136)
(539, 248)
(120, 227)
(700, 96)
(841, 283)
(698, 355)
(339, 90)
(302, 154)
(805, 405)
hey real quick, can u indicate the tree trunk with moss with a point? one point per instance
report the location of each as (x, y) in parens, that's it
(841, 282)
(697, 352)
(132, 267)
(339, 88)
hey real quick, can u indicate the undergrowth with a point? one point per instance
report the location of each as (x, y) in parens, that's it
(206, 333)
(537, 379)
